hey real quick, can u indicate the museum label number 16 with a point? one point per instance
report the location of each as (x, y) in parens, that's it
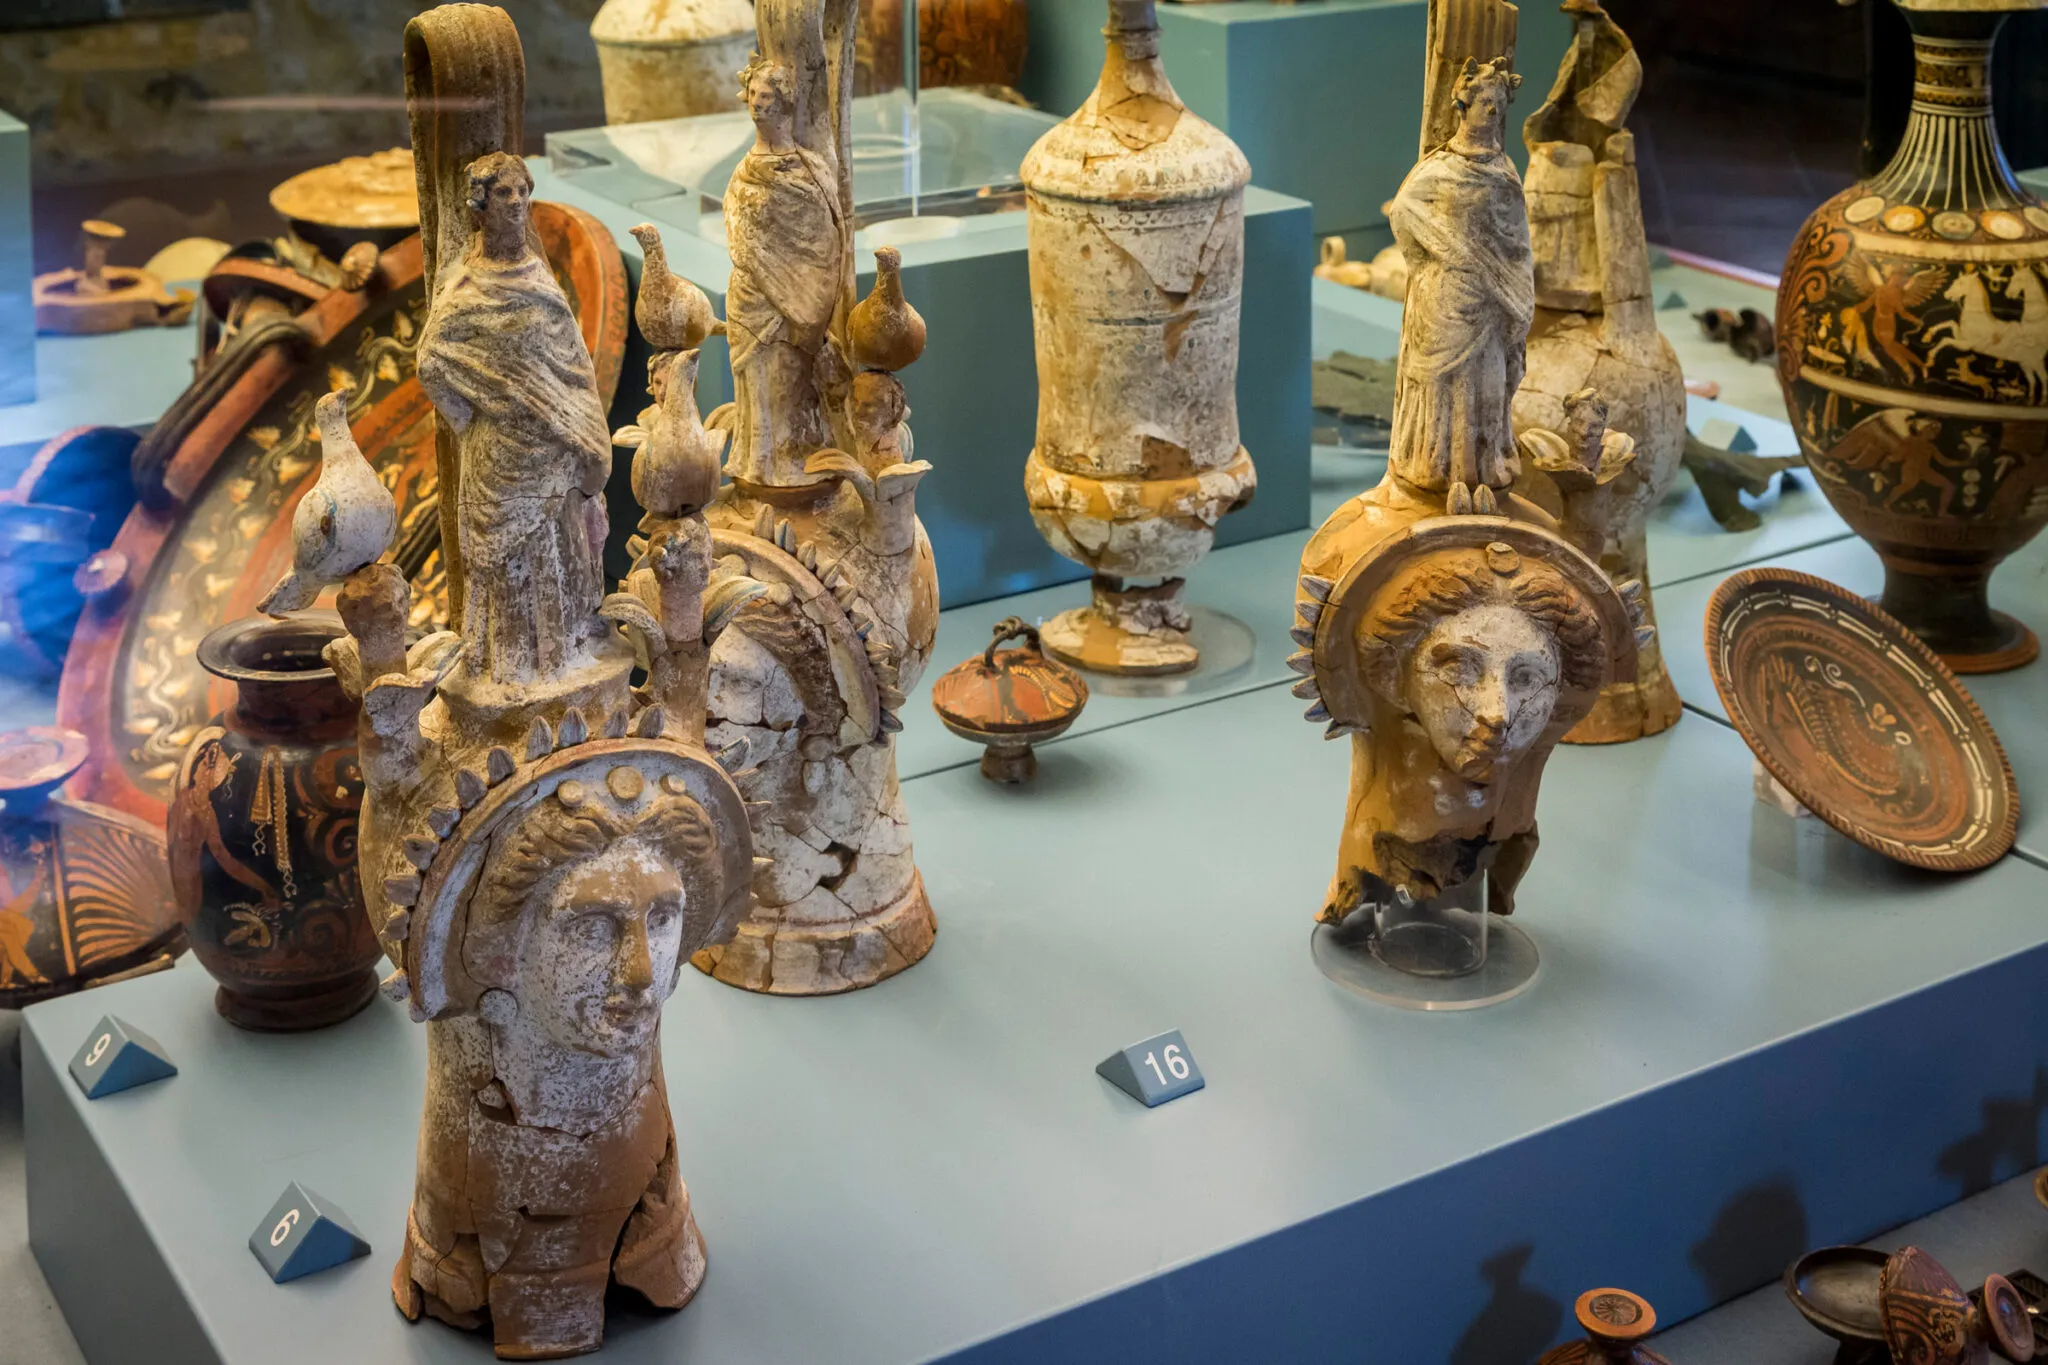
(1155, 1070)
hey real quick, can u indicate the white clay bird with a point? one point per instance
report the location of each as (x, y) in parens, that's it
(674, 314)
(345, 521)
(675, 471)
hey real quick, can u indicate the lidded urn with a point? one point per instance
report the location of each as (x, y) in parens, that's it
(1913, 349)
(1136, 214)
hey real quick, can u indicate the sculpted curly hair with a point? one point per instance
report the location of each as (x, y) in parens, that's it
(555, 836)
(488, 170)
(1446, 587)
(780, 78)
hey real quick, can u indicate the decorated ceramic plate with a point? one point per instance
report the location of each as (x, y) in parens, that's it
(1860, 721)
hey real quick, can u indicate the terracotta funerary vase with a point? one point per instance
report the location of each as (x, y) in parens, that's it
(1136, 213)
(263, 832)
(1913, 349)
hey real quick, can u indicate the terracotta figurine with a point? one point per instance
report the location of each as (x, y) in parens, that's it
(1595, 324)
(825, 599)
(1447, 624)
(542, 844)
(1136, 212)
(1459, 220)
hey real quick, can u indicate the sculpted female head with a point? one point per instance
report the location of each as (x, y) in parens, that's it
(1481, 95)
(1478, 646)
(769, 89)
(595, 888)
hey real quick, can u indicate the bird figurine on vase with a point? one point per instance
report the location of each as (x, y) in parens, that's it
(673, 313)
(342, 523)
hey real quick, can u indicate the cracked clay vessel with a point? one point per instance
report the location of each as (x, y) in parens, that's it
(1136, 212)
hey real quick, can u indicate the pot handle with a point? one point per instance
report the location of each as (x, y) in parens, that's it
(1010, 628)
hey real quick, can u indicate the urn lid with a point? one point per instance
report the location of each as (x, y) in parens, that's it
(375, 191)
(1009, 693)
(1615, 1323)
(1132, 140)
(632, 22)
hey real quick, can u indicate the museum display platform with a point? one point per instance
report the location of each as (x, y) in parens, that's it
(1324, 99)
(1731, 1004)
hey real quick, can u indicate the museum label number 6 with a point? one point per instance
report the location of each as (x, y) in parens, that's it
(284, 1228)
(1155, 1070)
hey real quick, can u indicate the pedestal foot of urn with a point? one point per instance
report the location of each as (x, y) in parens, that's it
(1136, 632)
(299, 1009)
(780, 958)
(1631, 710)
(2015, 646)
(1009, 766)
(1951, 611)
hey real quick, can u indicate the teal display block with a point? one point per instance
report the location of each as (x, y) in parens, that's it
(974, 394)
(17, 268)
(1324, 97)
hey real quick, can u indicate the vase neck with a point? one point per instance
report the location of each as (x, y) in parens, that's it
(310, 710)
(1949, 158)
(1130, 61)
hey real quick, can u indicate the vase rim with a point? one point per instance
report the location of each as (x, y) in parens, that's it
(226, 649)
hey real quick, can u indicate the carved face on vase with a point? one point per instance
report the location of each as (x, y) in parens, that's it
(1483, 685)
(603, 953)
(587, 907)
(1477, 647)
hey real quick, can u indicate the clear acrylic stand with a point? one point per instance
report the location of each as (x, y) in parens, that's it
(1448, 953)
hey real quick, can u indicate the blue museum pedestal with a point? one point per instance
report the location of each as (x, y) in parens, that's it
(1324, 97)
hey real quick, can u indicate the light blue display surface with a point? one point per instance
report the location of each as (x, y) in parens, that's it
(974, 394)
(930, 1169)
(1324, 98)
(17, 267)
